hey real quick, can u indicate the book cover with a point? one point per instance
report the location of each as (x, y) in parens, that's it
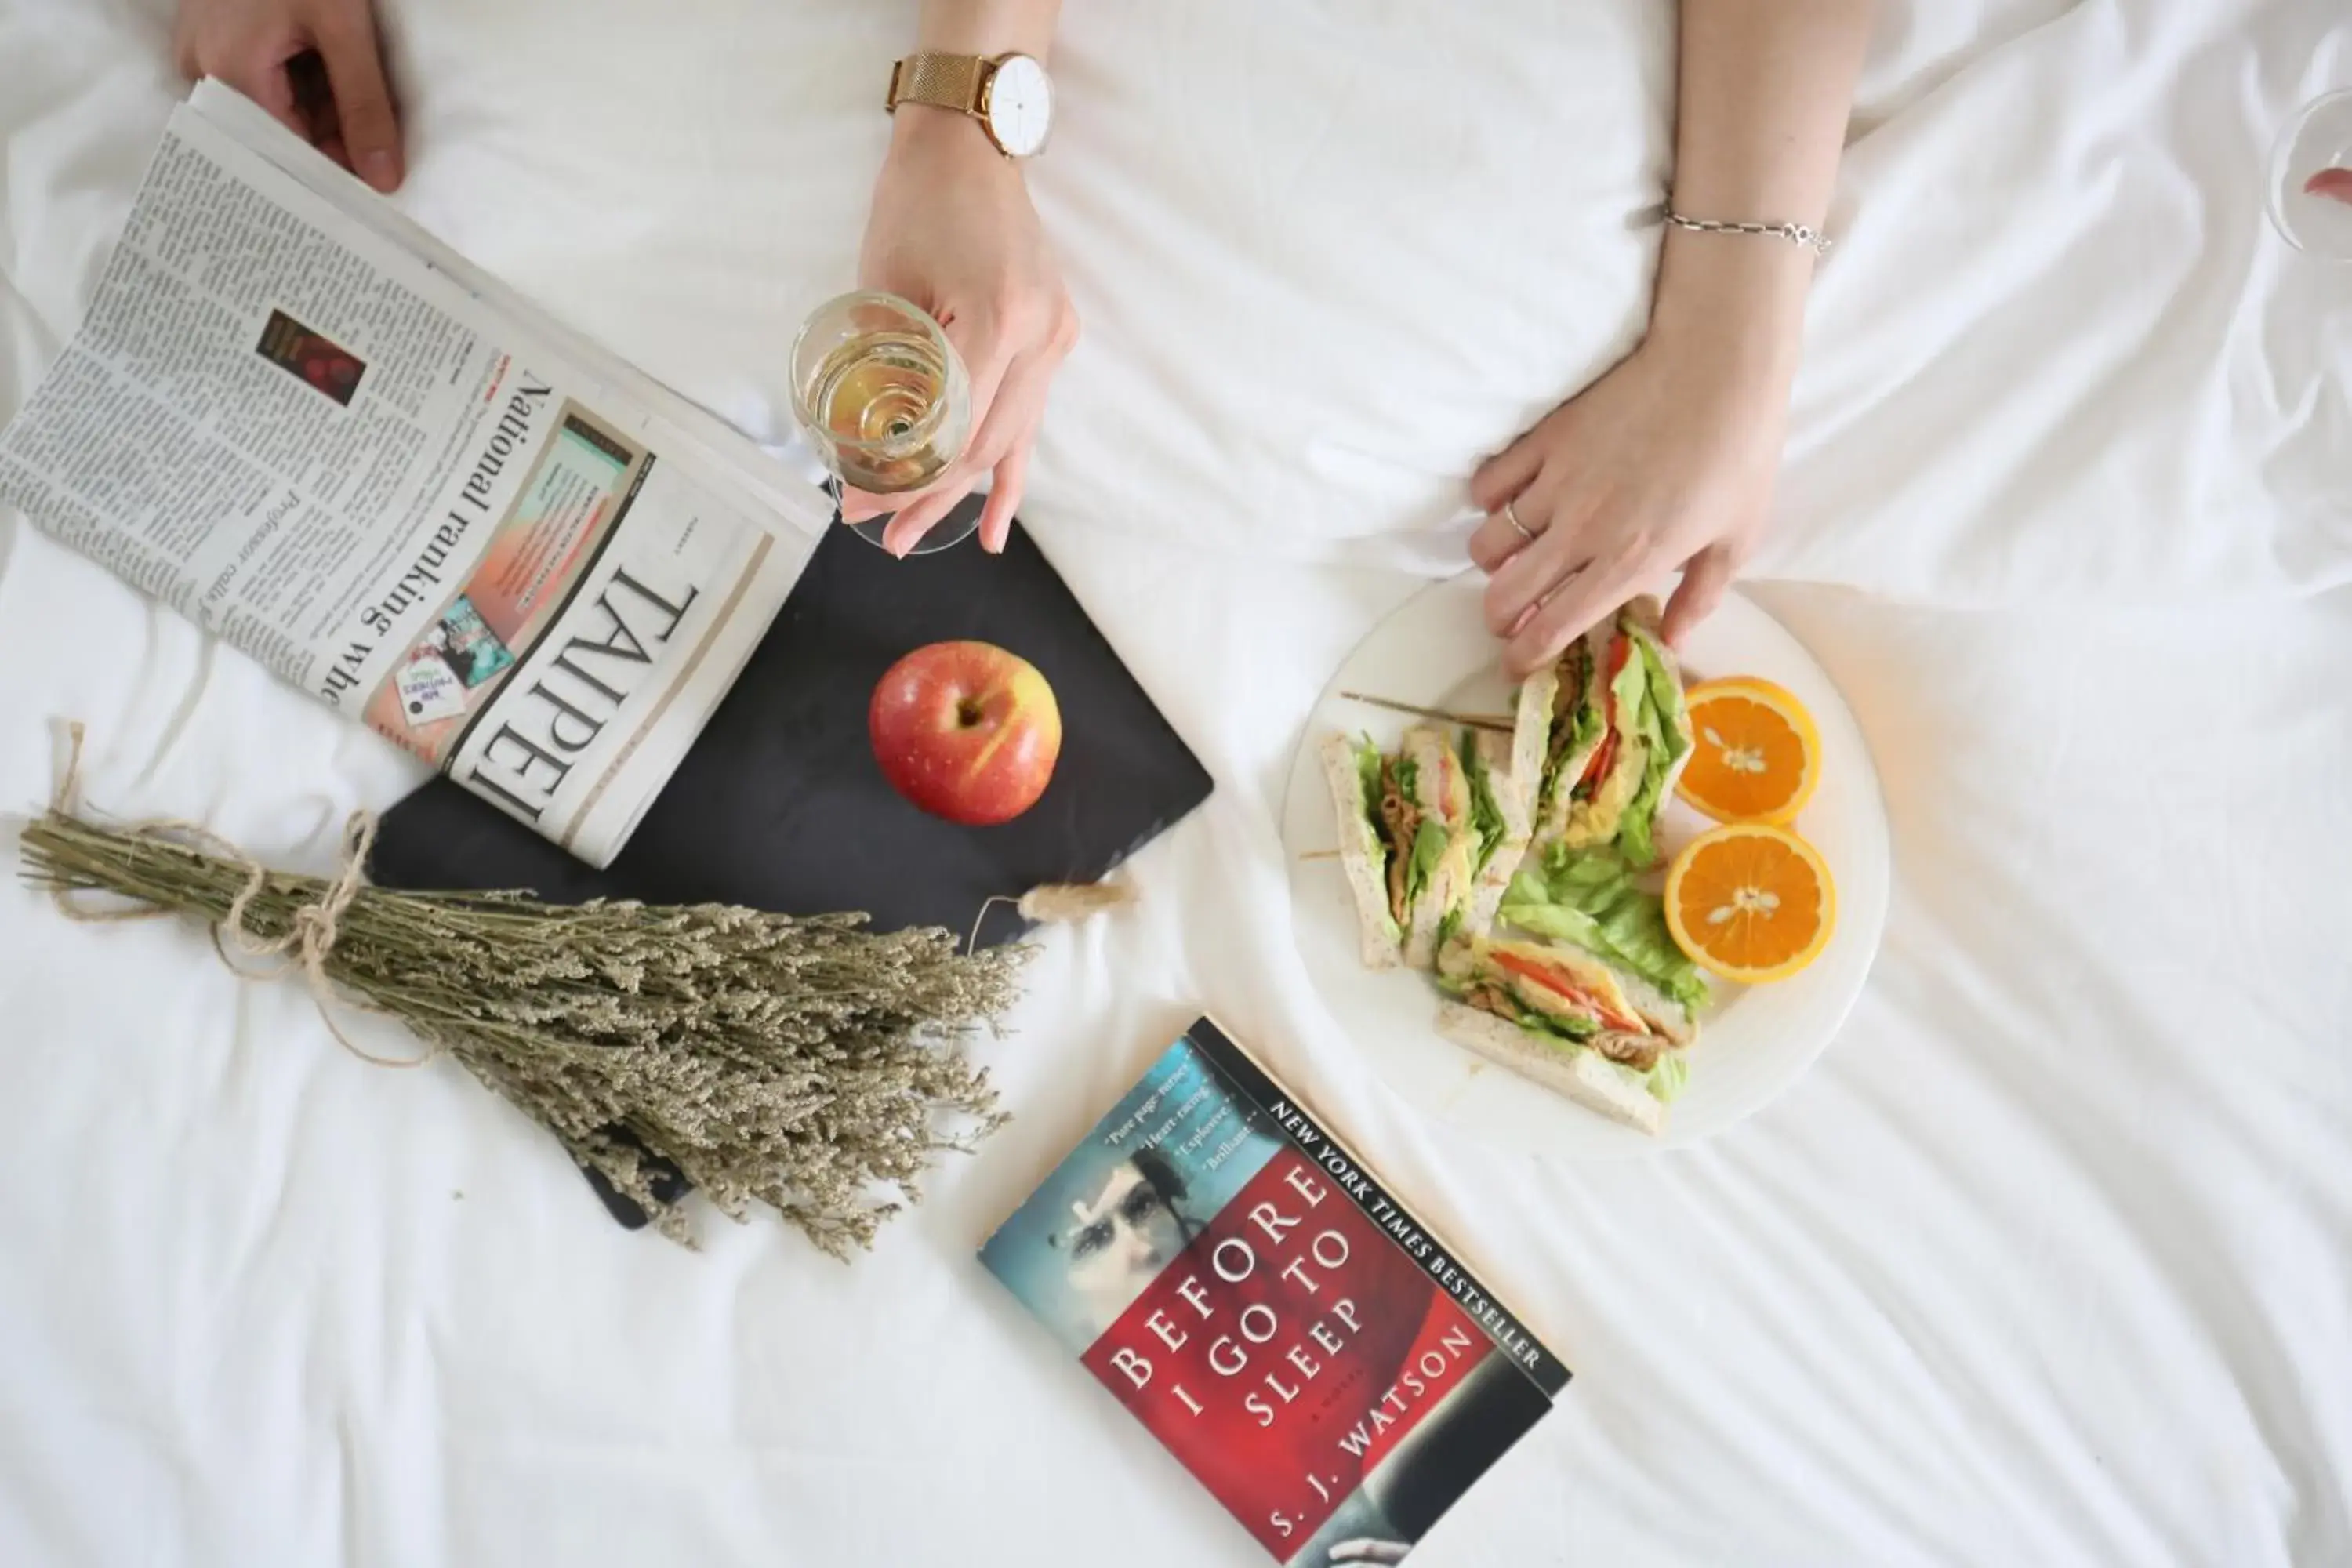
(1327, 1368)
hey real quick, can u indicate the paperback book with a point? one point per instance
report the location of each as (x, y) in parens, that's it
(1237, 1278)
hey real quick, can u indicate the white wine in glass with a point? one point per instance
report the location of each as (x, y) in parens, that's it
(2311, 178)
(880, 392)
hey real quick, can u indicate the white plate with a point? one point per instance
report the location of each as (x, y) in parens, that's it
(1434, 651)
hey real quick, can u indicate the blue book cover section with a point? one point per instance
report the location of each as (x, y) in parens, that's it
(1178, 1146)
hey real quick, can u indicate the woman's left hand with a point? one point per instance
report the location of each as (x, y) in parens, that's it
(1665, 462)
(313, 64)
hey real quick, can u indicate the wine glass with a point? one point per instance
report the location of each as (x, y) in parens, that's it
(884, 402)
(2311, 178)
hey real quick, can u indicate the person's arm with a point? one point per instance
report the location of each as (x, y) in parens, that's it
(988, 28)
(313, 64)
(1667, 461)
(952, 228)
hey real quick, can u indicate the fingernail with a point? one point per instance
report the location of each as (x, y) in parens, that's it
(378, 169)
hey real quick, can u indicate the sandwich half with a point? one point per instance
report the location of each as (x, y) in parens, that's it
(1616, 735)
(1408, 842)
(1589, 900)
(1583, 1076)
(1430, 838)
(1561, 1017)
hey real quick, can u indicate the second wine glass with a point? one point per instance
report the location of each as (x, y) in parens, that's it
(2311, 178)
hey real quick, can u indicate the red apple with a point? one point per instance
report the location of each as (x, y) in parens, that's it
(966, 730)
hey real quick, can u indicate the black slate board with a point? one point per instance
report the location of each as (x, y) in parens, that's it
(780, 805)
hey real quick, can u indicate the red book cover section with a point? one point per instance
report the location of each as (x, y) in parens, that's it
(1270, 1315)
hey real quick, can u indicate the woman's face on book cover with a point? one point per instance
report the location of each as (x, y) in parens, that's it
(1120, 1241)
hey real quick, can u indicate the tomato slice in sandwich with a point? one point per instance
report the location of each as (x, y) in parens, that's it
(1604, 755)
(1558, 979)
(1441, 799)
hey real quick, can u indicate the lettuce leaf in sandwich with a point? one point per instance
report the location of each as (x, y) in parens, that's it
(1486, 813)
(1430, 841)
(1650, 699)
(1368, 767)
(1567, 1002)
(1449, 929)
(1589, 898)
(1505, 1003)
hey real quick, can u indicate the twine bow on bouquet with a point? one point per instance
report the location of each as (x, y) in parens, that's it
(806, 1063)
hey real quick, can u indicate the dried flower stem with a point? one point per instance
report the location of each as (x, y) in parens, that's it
(809, 1064)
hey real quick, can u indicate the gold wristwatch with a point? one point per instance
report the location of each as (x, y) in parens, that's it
(1010, 95)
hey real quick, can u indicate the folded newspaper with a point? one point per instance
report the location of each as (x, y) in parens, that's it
(298, 419)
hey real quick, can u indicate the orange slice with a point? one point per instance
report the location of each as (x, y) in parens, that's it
(1755, 754)
(1750, 901)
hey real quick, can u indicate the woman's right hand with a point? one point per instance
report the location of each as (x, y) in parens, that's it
(266, 50)
(953, 230)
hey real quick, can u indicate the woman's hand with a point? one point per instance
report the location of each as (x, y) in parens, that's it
(1665, 462)
(953, 230)
(1668, 461)
(313, 64)
(1653, 467)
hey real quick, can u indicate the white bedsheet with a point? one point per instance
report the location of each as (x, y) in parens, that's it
(2050, 1260)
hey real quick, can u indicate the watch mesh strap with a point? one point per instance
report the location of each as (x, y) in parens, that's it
(945, 81)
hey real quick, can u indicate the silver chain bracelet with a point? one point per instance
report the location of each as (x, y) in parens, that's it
(1795, 233)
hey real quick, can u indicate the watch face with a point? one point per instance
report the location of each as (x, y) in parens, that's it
(1020, 105)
